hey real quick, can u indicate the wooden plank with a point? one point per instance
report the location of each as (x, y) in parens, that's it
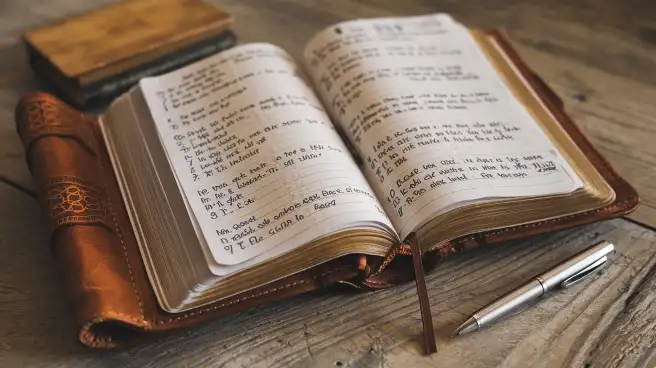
(629, 340)
(356, 329)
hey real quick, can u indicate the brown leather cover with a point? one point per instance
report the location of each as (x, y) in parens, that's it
(92, 238)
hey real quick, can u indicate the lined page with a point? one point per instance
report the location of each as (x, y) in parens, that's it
(430, 117)
(255, 154)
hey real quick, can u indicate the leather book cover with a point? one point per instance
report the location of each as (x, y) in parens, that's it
(93, 241)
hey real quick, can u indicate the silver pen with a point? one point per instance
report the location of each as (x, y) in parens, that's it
(564, 275)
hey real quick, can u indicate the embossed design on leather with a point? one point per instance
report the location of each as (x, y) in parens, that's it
(42, 115)
(71, 201)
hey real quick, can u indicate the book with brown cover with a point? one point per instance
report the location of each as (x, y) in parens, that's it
(93, 57)
(93, 241)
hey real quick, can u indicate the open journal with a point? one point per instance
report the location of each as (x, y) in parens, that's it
(250, 166)
(251, 175)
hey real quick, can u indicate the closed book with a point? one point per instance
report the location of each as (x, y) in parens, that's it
(92, 58)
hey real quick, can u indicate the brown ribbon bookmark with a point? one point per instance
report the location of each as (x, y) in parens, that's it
(424, 305)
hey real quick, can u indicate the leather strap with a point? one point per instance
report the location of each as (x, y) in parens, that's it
(72, 201)
(424, 304)
(69, 198)
(43, 116)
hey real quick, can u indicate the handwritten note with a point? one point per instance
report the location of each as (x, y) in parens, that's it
(431, 119)
(257, 157)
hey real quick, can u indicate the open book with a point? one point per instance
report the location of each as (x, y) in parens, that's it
(249, 166)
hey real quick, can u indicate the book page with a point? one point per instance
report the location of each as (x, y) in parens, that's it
(430, 117)
(256, 156)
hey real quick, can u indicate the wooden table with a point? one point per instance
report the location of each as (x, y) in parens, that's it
(600, 56)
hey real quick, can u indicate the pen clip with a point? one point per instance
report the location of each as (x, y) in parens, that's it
(584, 273)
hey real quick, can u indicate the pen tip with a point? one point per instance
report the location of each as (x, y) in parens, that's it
(471, 324)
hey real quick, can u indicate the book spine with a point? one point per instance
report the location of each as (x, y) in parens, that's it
(109, 88)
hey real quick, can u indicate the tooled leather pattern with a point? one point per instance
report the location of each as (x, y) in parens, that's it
(43, 115)
(72, 201)
(69, 200)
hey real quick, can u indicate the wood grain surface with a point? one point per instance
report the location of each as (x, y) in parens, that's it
(599, 56)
